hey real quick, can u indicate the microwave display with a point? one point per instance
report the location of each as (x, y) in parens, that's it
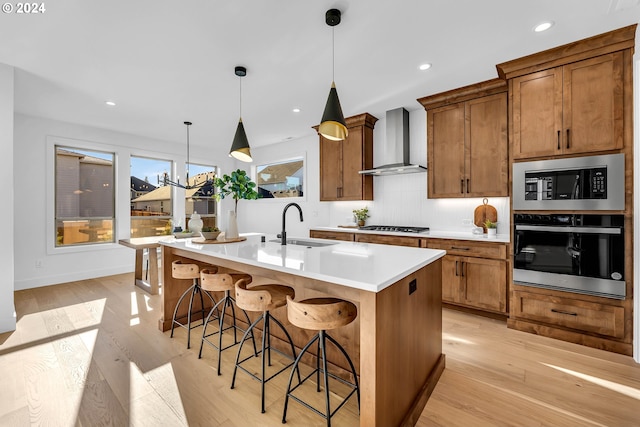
(588, 183)
(577, 183)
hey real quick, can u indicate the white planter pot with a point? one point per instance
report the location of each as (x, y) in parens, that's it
(232, 226)
(492, 233)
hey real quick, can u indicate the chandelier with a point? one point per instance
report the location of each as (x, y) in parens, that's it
(206, 185)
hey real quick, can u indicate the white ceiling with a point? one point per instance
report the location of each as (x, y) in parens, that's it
(165, 61)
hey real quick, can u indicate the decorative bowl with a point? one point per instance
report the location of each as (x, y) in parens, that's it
(210, 235)
(182, 234)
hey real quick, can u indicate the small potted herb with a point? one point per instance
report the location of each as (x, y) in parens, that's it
(361, 215)
(492, 228)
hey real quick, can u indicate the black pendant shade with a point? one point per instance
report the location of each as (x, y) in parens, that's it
(333, 125)
(240, 148)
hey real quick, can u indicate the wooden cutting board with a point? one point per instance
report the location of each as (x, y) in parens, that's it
(484, 212)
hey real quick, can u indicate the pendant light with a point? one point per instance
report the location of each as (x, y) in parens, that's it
(240, 148)
(333, 125)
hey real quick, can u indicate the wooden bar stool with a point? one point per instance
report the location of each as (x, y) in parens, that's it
(321, 314)
(262, 298)
(213, 281)
(188, 271)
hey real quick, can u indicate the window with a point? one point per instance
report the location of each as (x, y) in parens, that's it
(84, 196)
(151, 206)
(200, 199)
(281, 179)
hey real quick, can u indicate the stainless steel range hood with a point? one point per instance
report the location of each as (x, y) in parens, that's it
(395, 156)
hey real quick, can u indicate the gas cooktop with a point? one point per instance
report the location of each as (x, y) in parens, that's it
(395, 228)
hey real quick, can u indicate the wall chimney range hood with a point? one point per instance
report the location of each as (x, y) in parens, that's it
(395, 156)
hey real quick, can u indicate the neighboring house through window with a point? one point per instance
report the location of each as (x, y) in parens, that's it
(84, 196)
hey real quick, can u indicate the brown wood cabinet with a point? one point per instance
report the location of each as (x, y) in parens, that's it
(388, 240)
(340, 162)
(332, 235)
(575, 108)
(474, 274)
(467, 141)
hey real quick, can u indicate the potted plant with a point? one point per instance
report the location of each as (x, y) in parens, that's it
(361, 215)
(492, 228)
(240, 187)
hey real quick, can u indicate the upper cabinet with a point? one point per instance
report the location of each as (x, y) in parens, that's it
(340, 162)
(574, 99)
(576, 108)
(467, 142)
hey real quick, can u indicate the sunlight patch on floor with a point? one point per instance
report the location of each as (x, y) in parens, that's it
(449, 337)
(134, 304)
(619, 388)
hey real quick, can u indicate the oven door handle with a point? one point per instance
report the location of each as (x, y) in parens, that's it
(562, 229)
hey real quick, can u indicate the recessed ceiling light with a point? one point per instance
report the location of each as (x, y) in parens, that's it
(423, 67)
(543, 26)
(296, 110)
(110, 103)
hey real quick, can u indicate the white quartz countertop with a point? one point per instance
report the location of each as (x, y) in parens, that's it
(365, 266)
(435, 234)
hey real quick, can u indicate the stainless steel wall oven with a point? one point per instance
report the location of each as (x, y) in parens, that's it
(570, 252)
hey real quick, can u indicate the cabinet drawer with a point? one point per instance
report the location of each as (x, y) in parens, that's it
(388, 240)
(466, 248)
(332, 235)
(586, 316)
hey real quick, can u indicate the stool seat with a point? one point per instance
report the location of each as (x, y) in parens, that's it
(212, 280)
(184, 271)
(321, 313)
(262, 297)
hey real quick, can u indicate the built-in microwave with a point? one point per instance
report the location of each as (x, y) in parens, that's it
(577, 183)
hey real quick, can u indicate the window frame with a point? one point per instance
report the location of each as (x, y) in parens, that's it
(50, 195)
(283, 159)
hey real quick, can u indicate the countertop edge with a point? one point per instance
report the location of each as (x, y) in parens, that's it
(432, 234)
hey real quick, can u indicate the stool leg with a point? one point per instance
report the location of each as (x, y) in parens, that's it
(293, 369)
(202, 313)
(318, 366)
(244, 337)
(353, 369)
(265, 335)
(195, 290)
(206, 323)
(293, 349)
(323, 349)
(224, 309)
(175, 310)
(246, 316)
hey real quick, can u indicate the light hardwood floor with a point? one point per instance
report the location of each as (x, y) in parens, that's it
(89, 353)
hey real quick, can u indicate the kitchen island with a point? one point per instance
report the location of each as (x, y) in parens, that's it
(396, 341)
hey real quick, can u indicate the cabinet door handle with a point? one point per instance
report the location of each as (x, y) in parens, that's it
(567, 138)
(462, 186)
(553, 310)
(558, 140)
(457, 268)
(467, 185)
(458, 248)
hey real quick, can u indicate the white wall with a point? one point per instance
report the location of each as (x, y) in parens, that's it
(7, 310)
(33, 207)
(398, 199)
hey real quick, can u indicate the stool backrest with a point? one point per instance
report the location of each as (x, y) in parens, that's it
(251, 300)
(212, 281)
(184, 271)
(321, 313)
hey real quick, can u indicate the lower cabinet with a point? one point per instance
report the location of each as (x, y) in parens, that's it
(475, 282)
(332, 235)
(474, 274)
(583, 316)
(388, 240)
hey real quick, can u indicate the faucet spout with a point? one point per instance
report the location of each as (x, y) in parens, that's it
(283, 235)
